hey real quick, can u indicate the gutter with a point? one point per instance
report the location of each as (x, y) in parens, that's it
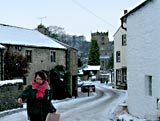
(122, 25)
(132, 11)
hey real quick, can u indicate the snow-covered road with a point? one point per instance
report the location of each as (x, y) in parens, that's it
(100, 106)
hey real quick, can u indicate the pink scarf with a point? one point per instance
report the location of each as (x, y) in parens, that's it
(40, 88)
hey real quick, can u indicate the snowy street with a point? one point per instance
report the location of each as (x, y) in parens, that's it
(99, 106)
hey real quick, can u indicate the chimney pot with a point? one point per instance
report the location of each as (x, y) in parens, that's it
(125, 12)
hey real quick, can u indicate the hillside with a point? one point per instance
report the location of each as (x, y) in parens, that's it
(77, 42)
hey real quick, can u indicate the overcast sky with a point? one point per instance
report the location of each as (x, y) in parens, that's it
(77, 17)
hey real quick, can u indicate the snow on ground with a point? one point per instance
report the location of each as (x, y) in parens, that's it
(122, 115)
(22, 116)
(11, 81)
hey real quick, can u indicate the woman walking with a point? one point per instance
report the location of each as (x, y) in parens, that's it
(38, 97)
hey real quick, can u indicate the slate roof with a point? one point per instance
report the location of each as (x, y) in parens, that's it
(1, 46)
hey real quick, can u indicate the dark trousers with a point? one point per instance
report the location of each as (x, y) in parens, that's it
(37, 118)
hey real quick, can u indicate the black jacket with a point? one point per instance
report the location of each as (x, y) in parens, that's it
(37, 107)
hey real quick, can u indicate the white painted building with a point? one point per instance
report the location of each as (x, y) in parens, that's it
(120, 62)
(143, 59)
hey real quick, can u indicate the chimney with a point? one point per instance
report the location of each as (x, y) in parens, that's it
(125, 12)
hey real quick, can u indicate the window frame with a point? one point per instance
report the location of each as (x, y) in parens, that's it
(118, 57)
(53, 56)
(28, 55)
(118, 76)
(148, 85)
(102, 41)
(124, 75)
(124, 40)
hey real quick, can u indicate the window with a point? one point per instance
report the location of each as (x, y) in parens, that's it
(124, 75)
(102, 41)
(74, 58)
(102, 65)
(118, 56)
(124, 40)
(53, 56)
(148, 85)
(118, 76)
(29, 55)
(19, 48)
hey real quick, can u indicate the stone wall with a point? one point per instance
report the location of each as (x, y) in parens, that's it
(41, 59)
(9, 91)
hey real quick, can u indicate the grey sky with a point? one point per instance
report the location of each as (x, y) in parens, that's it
(79, 17)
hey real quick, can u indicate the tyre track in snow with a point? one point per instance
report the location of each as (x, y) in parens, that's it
(73, 104)
(95, 109)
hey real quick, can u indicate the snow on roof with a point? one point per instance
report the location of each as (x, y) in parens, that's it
(1, 46)
(65, 45)
(26, 37)
(136, 7)
(80, 72)
(89, 67)
(11, 82)
(104, 57)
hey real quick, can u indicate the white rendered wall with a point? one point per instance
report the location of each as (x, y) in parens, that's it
(123, 51)
(118, 47)
(143, 58)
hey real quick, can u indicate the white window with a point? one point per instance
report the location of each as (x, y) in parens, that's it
(53, 56)
(118, 76)
(124, 75)
(29, 55)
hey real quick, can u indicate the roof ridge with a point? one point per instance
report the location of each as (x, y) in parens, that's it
(136, 8)
(15, 26)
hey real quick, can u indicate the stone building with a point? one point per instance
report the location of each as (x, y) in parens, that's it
(42, 52)
(106, 48)
(71, 67)
(106, 51)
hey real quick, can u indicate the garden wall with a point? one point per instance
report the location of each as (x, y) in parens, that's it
(9, 91)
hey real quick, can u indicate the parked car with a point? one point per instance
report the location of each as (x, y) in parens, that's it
(88, 87)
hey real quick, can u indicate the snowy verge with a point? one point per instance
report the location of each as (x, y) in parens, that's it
(9, 112)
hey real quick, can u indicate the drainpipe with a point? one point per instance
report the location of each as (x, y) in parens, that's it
(122, 24)
(122, 19)
(2, 64)
(158, 108)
